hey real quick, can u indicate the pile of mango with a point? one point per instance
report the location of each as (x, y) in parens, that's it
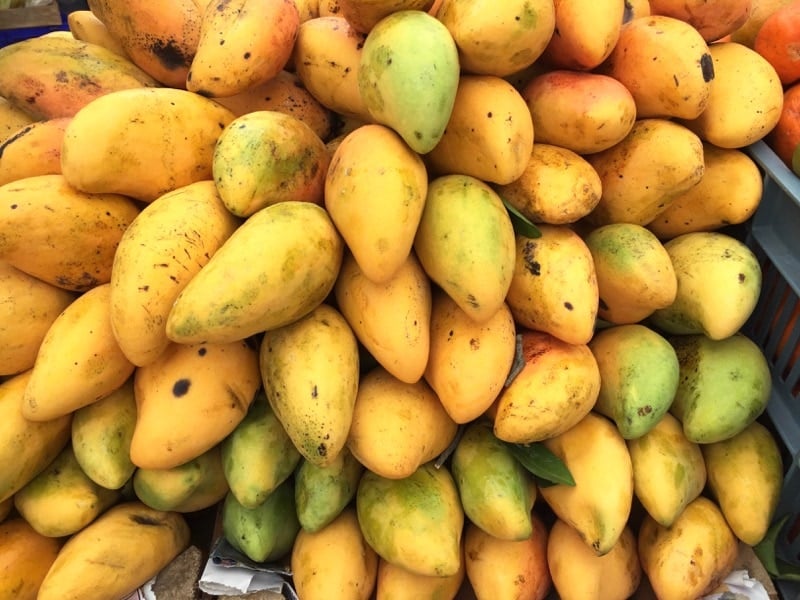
(422, 295)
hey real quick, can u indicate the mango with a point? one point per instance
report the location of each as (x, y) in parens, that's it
(368, 158)
(690, 558)
(397, 583)
(294, 253)
(468, 362)
(258, 455)
(579, 574)
(719, 282)
(495, 489)
(724, 386)
(265, 157)
(554, 284)
(397, 426)
(334, 562)
(668, 470)
(498, 568)
(365, 15)
(598, 506)
(391, 319)
(415, 522)
(465, 243)
(638, 375)
(586, 32)
(195, 485)
(635, 275)
(322, 493)
(555, 389)
(266, 532)
(745, 476)
(489, 135)
(408, 76)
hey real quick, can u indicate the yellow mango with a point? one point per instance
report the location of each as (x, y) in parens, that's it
(12, 119)
(586, 32)
(153, 140)
(326, 57)
(635, 275)
(364, 15)
(28, 306)
(190, 399)
(26, 447)
(668, 470)
(498, 38)
(490, 132)
(641, 175)
(690, 558)
(598, 506)
(34, 149)
(465, 243)
(25, 558)
(654, 52)
(334, 562)
(498, 568)
(265, 157)
(373, 157)
(759, 11)
(79, 360)
(745, 476)
(556, 388)
(397, 426)
(392, 320)
(745, 101)
(582, 111)
(468, 362)
(557, 187)
(554, 285)
(713, 20)
(398, 583)
(310, 374)
(293, 252)
(728, 194)
(580, 574)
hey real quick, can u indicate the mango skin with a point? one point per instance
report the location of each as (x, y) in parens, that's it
(638, 375)
(408, 76)
(691, 558)
(668, 470)
(745, 476)
(557, 387)
(322, 493)
(494, 488)
(724, 386)
(396, 583)
(266, 532)
(415, 522)
(465, 243)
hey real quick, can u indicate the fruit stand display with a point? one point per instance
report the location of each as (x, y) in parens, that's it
(419, 299)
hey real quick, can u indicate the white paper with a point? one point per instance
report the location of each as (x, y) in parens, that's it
(144, 593)
(219, 581)
(738, 585)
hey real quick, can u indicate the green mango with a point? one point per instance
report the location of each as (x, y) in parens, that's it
(264, 533)
(495, 489)
(724, 385)
(258, 455)
(466, 244)
(638, 374)
(408, 76)
(414, 522)
(192, 486)
(321, 493)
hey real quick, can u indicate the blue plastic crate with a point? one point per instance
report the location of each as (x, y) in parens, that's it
(47, 19)
(774, 236)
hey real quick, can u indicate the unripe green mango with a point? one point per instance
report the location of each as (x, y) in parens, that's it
(266, 532)
(415, 522)
(258, 455)
(724, 385)
(321, 493)
(638, 374)
(495, 489)
(408, 76)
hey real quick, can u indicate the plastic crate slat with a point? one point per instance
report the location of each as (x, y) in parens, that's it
(784, 412)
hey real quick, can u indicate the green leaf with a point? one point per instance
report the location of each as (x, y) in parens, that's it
(522, 226)
(542, 463)
(765, 551)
